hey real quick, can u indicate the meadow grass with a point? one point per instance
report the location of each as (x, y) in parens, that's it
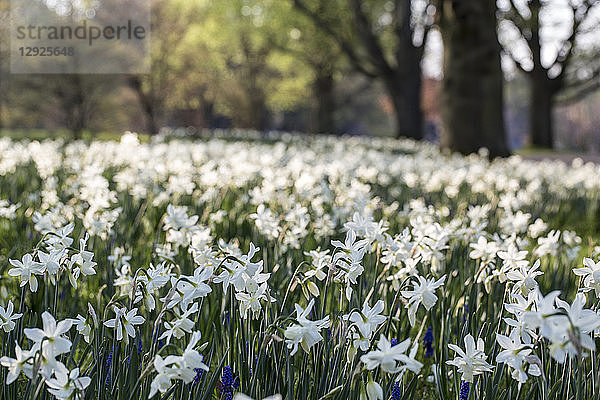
(165, 224)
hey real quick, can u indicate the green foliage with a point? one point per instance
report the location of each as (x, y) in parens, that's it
(254, 348)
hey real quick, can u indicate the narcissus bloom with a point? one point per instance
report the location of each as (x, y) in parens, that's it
(590, 274)
(67, 384)
(390, 358)
(51, 337)
(26, 270)
(368, 319)
(7, 318)
(471, 361)
(124, 321)
(305, 333)
(422, 293)
(23, 363)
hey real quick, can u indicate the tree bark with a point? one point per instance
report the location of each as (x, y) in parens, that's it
(78, 114)
(72, 96)
(2, 97)
(324, 101)
(257, 116)
(400, 74)
(147, 104)
(472, 89)
(405, 84)
(544, 85)
(405, 94)
(540, 112)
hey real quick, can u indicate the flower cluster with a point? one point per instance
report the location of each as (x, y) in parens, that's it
(183, 367)
(373, 256)
(48, 344)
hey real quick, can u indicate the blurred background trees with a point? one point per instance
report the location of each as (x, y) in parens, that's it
(553, 63)
(472, 88)
(383, 40)
(469, 74)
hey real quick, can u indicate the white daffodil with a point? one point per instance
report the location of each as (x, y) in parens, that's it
(124, 321)
(349, 260)
(195, 286)
(351, 245)
(524, 277)
(582, 323)
(519, 306)
(512, 258)
(180, 326)
(177, 218)
(22, 363)
(153, 280)
(7, 318)
(483, 249)
(191, 360)
(84, 327)
(422, 293)
(67, 385)
(235, 272)
(51, 336)
(590, 274)
(548, 244)
(51, 261)
(182, 367)
(59, 239)
(26, 270)
(544, 316)
(390, 358)
(163, 380)
(368, 319)
(320, 261)
(84, 259)
(471, 361)
(266, 222)
(305, 333)
(374, 390)
(517, 355)
(252, 301)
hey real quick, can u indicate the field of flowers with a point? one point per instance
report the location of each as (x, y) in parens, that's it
(295, 268)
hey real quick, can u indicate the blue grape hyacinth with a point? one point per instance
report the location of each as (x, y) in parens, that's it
(229, 383)
(464, 390)
(428, 342)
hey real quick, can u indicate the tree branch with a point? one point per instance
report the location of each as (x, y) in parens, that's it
(579, 93)
(402, 17)
(344, 45)
(370, 40)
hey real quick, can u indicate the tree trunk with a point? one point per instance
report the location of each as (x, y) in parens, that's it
(405, 94)
(75, 106)
(2, 96)
(147, 104)
(77, 133)
(540, 112)
(472, 89)
(256, 114)
(3, 90)
(208, 114)
(324, 101)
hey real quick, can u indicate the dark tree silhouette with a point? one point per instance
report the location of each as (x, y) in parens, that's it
(395, 62)
(549, 81)
(472, 98)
